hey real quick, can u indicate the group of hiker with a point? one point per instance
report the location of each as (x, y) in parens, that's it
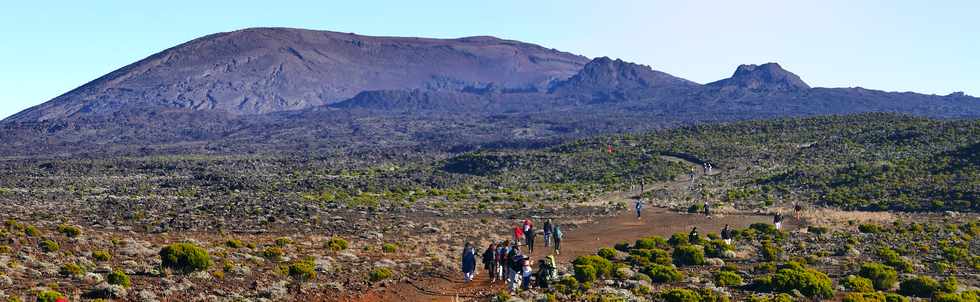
(505, 261)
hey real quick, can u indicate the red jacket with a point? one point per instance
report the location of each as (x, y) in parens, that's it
(518, 232)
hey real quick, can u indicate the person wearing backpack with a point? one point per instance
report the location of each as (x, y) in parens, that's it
(639, 207)
(469, 262)
(516, 265)
(518, 234)
(557, 237)
(547, 233)
(777, 219)
(501, 258)
(529, 238)
(490, 261)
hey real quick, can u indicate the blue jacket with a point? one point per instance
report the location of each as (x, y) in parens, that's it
(469, 260)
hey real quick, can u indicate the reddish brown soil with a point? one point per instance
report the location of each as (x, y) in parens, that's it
(583, 240)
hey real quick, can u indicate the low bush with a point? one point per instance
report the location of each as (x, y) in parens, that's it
(678, 239)
(602, 267)
(49, 246)
(302, 271)
(680, 295)
(809, 282)
(728, 279)
(607, 253)
(48, 296)
(769, 251)
(857, 284)
(651, 256)
(921, 286)
(882, 276)
(870, 228)
(891, 258)
(622, 247)
(273, 253)
(71, 269)
(874, 297)
(118, 277)
(775, 298)
(662, 273)
(967, 296)
(337, 244)
(715, 248)
(688, 255)
(283, 241)
(955, 254)
(389, 248)
(185, 257)
(653, 242)
(32, 231)
(585, 273)
(69, 230)
(234, 243)
(379, 274)
(101, 256)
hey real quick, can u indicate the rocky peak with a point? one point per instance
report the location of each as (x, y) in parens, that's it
(765, 77)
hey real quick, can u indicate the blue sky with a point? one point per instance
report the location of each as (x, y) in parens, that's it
(49, 48)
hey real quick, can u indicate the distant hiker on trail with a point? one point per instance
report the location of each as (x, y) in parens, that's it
(547, 233)
(693, 237)
(798, 208)
(490, 261)
(639, 207)
(529, 238)
(557, 237)
(705, 168)
(709, 168)
(469, 262)
(518, 235)
(777, 219)
(693, 173)
(707, 210)
(726, 234)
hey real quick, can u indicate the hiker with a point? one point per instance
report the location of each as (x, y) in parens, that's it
(777, 219)
(693, 237)
(726, 234)
(526, 274)
(528, 225)
(709, 168)
(693, 173)
(501, 258)
(469, 262)
(547, 233)
(518, 234)
(529, 238)
(707, 209)
(544, 273)
(639, 207)
(798, 208)
(516, 265)
(490, 261)
(557, 237)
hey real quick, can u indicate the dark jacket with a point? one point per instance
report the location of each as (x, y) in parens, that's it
(469, 260)
(489, 257)
(547, 227)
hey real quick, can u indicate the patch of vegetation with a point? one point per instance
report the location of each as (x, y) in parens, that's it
(689, 255)
(379, 274)
(185, 257)
(118, 277)
(49, 245)
(234, 243)
(809, 282)
(69, 230)
(71, 269)
(101, 256)
(337, 244)
(858, 284)
(389, 248)
(663, 273)
(882, 276)
(728, 279)
(303, 271)
(48, 296)
(273, 253)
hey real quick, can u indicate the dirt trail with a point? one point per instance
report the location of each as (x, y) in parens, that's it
(582, 240)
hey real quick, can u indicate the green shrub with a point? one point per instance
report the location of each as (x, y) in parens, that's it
(48, 296)
(967, 296)
(715, 248)
(817, 230)
(695, 208)
(680, 295)
(602, 266)
(651, 255)
(678, 239)
(874, 297)
(101, 256)
(381, 273)
(809, 282)
(283, 241)
(69, 230)
(653, 242)
(5, 249)
(765, 230)
(728, 279)
(921, 286)
(48, 245)
(337, 244)
(607, 253)
(768, 251)
(955, 254)
(118, 277)
(662, 273)
(302, 271)
(234, 243)
(71, 269)
(775, 298)
(949, 285)
(185, 257)
(32, 231)
(882, 276)
(389, 248)
(688, 255)
(857, 284)
(273, 253)
(892, 259)
(585, 273)
(870, 228)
